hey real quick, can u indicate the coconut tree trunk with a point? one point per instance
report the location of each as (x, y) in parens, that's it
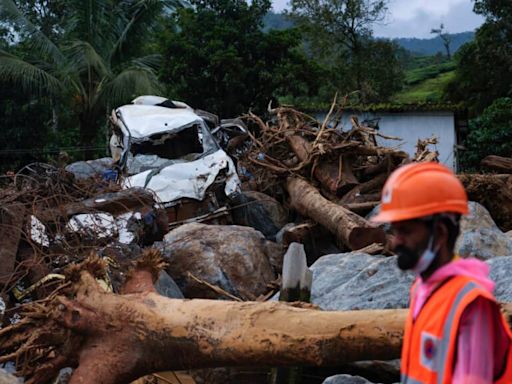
(89, 127)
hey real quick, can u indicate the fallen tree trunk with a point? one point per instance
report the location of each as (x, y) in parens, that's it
(350, 228)
(118, 338)
(372, 185)
(11, 223)
(133, 335)
(328, 174)
(497, 163)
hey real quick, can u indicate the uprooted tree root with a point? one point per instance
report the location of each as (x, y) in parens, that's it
(114, 339)
(53, 331)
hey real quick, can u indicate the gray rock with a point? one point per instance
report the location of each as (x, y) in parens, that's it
(7, 378)
(480, 237)
(260, 211)
(166, 286)
(237, 259)
(64, 376)
(356, 280)
(90, 168)
(501, 270)
(280, 235)
(346, 379)
(2, 310)
(478, 217)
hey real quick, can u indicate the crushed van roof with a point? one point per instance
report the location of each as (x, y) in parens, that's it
(146, 120)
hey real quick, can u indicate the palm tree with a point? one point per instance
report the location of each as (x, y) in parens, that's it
(100, 58)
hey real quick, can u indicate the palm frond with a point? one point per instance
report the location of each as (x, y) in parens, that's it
(140, 17)
(29, 76)
(129, 83)
(40, 43)
(82, 57)
(151, 62)
(92, 21)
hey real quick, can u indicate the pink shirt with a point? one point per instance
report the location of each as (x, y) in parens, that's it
(482, 341)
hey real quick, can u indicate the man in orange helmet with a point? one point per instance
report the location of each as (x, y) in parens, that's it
(454, 332)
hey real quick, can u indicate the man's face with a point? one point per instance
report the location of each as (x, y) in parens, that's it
(410, 239)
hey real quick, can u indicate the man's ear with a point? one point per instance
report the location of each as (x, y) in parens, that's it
(441, 231)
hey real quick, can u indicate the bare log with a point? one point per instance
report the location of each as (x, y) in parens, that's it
(327, 173)
(351, 229)
(387, 165)
(151, 333)
(356, 148)
(114, 339)
(372, 185)
(11, 223)
(497, 163)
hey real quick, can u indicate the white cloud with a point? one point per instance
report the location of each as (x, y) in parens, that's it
(417, 21)
(415, 18)
(407, 9)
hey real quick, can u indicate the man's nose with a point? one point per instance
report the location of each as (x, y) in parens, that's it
(395, 241)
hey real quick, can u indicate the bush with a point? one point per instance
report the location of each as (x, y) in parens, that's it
(489, 134)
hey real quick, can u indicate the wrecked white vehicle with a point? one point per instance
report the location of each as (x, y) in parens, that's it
(167, 147)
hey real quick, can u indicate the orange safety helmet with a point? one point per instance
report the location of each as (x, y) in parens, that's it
(421, 189)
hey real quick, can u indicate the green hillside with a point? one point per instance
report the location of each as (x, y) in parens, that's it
(425, 80)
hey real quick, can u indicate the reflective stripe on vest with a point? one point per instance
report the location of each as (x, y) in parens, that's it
(409, 380)
(443, 344)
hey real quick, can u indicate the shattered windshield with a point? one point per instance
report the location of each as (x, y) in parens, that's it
(159, 150)
(184, 144)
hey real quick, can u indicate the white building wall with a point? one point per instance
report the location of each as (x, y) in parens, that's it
(411, 126)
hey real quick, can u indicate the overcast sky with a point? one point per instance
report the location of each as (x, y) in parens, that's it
(415, 18)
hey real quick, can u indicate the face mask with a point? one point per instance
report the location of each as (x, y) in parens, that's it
(411, 259)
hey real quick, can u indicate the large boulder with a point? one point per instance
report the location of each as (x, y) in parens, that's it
(237, 259)
(260, 211)
(480, 236)
(346, 379)
(166, 286)
(356, 280)
(501, 270)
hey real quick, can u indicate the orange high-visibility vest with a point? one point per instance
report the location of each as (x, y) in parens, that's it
(430, 341)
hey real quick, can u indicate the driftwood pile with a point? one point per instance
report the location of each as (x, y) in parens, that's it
(59, 293)
(41, 251)
(331, 176)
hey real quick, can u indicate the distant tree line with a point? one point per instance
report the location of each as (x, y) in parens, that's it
(483, 82)
(64, 64)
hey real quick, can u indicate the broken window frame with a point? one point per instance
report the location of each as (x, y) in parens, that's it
(121, 128)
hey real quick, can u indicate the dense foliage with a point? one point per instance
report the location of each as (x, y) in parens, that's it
(65, 63)
(489, 134)
(339, 34)
(483, 66)
(217, 58)
(81, 57)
